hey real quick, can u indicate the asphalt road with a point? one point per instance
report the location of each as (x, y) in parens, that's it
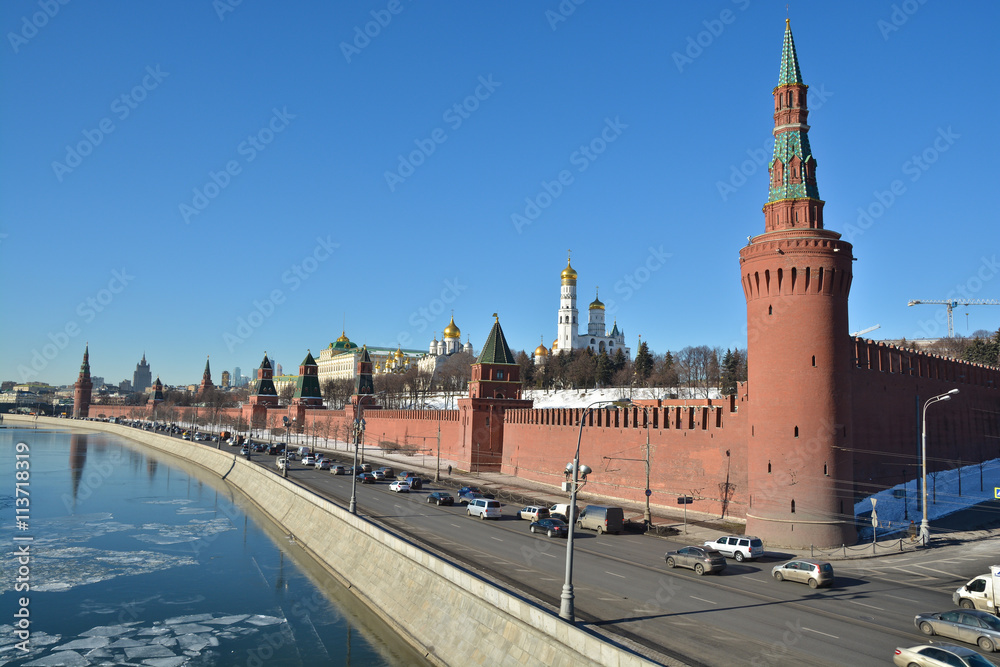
(621, 583)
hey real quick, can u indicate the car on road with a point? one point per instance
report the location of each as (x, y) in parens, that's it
(441, 498)
(740, 547)
(399, 486)
(485, 508)
(338, 470)
(412, 478)
(308, 460)
(699, 559)
(281, 463)
(816, 573)
(533, 513)
(324, 464)
(366, 467)
(388, 471)
(968, 625)
(366, 478)
(379, 475)
(939, 654)
(186, 435)
(551, 527)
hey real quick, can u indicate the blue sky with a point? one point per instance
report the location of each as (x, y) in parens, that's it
(197, 178)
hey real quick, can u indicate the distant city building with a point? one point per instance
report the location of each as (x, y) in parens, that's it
(125, 386)
(597, 338)
(225, 379)
(142, 378)
(237, 377)
(97, 381)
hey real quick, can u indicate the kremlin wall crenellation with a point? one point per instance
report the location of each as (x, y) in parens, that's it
(823, 421)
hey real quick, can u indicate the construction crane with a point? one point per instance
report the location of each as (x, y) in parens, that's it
(955, 302)
(864, 331)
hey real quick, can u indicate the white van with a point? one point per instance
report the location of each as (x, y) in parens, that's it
(485, 508)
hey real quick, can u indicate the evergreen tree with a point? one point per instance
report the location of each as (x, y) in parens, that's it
(727, 384)
(984, 350)
(604, 370)
(643, 364)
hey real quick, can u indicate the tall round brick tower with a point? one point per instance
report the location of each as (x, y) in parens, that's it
(796, 278)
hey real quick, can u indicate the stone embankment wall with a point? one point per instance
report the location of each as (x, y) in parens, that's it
(450, 614)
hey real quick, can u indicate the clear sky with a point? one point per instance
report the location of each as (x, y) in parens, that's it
(201, 178)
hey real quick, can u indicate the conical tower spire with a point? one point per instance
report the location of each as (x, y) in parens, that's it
(789, 61)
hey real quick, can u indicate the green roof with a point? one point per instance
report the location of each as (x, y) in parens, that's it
(789, 61)
(309, 361)
(496, 351)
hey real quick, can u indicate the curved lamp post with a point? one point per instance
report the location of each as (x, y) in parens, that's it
(359, 431)
(566, 609)
(925, 529)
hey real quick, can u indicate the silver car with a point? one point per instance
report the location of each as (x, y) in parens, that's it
(967, 625)
(939, 655)
(699, 559)
(816, 573)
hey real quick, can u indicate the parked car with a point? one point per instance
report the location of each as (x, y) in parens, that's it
(366, 478)
(740, 547)
(485, 508)
(441, 498)
(939, 654)
(816, 573)
(551, 527)
(399, 486)
(968, 625)
(338, 470)
(533, 513)
(602, 519)
(699, 559)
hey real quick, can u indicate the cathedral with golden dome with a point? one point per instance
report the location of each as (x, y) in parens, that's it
(597, 338)
(439, 350)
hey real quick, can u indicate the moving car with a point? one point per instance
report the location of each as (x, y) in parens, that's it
(388, 471)
(967, 625)
(465, 497)
(551, 527)
(939, 654)
(485, 508)
(699, 559)
(338, 470)
(816, 573)
(411, 477)
(980, 592)
(740, 547)
(533, 513)
(399, 486)
(281, 463)
(379, 474)
(308, 460)
(324, 464)
(602, 519)
(366, 478)
(441, 498)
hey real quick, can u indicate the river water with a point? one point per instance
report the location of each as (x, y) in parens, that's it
(136, 558)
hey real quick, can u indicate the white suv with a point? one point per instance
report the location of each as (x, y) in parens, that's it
(740, 547)
(485, 508)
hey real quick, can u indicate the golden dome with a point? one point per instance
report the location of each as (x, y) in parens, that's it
(540, 351)
(343, 337)
(596, 304)
(451, 331)
(555, 344)
(399, 353)
(569, 273)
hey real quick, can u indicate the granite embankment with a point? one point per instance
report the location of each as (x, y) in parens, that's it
(449, 613)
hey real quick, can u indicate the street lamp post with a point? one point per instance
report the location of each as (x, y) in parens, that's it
(566, 608)
(925, 529)
(359, 431)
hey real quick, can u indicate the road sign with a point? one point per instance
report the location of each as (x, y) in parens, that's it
(685, 500)
(996, 492)
(649, 493)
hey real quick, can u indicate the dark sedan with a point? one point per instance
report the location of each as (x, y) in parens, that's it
(967, 625)
(551, 527)
(699, 559)
(441, 498)
(366, 478)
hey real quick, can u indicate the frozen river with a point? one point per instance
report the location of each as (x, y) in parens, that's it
(137, 560)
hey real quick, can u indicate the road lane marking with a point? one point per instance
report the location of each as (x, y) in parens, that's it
(953, 576)
(703, 600)
(899, 598)
(620, 576)
(496, 538)
(862, 604)
(456, 525)
(549, 555)
(820, 633)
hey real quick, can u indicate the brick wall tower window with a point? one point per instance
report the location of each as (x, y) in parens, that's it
(793, 507)
(796, 431)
